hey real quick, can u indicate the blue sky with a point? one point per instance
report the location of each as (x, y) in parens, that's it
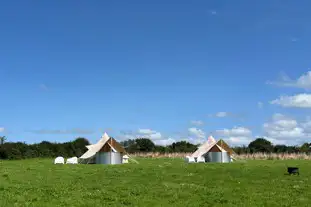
(169, 70)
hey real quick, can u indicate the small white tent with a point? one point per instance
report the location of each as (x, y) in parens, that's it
(189, 159)
(201, 159)
(125, 159)
(72, 160)
(59, 160)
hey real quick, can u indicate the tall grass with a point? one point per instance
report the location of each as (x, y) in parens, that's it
(253, 156)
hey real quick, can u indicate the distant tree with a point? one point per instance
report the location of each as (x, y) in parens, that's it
(305, 148)
(127, 143)
(144, 145)
(260, 145)
(2, 140)
(182, 146)
(241, 150)
(161, 149)
(280, 149)
(292, 149)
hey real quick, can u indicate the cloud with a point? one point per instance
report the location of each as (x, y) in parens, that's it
(197, 122)
(298, 101)
(236, 135)
(222, 114)
(2, 129)
(197, 133)
(194, 141)
(165, 142)
(293, 39)
(283, 129)
(260, 105)
(238, 141)
(43, 87)
(303, 82)
(213, 12)
(148, 133)
(141, 133)
(235, 131)
(153, 135)
(59, 131)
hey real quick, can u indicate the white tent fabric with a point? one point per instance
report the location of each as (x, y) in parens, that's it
(72, 160)
(206, 146)
(59, 160)
(92, 149)
(189, 159)
(200, 159)
(125, 159)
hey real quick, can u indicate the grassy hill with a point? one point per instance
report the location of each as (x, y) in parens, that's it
(154, 182)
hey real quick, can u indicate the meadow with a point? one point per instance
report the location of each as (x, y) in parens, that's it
(155, 182)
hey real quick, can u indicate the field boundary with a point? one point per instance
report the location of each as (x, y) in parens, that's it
(249, 156)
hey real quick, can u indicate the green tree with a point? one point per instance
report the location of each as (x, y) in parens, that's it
(305, 148)
(280, 149)
(2, 140)
(260, 145)
(182, 146)
(144, 145)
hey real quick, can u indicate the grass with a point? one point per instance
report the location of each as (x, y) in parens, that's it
(155, 182)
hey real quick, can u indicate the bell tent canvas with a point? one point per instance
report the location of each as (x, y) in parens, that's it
(106, 151)
(213, 151)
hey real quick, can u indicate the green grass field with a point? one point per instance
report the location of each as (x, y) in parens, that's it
(154, 182)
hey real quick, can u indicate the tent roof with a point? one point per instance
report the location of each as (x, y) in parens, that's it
(94, 148)
(211, 142)
(205, 147)
(225, 146)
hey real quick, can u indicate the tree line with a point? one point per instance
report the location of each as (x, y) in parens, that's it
(258, 145)
(21, 150)
(45, 149)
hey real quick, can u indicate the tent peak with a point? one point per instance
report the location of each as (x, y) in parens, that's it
(105, 135)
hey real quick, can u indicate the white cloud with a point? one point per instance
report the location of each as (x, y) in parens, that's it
(304, 81)
(153, 135)
(307, 126)
(236, 135)
(238, 141)
(235, 131)
(2, 129)
(43, 87)
(286, 130)
(260, 105)
(197, 122)
(148, 133)
(164, 142)
(213, 12)
(198, 133)
(195, 141)
(299, 101)
(222, 114)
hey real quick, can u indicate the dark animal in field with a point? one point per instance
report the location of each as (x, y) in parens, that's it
(293, 170)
